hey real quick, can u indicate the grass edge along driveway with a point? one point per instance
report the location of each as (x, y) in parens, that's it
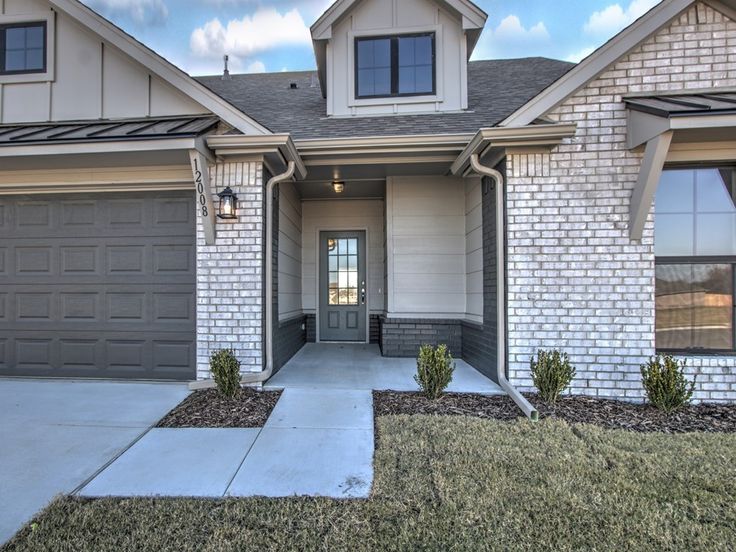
(451, 483)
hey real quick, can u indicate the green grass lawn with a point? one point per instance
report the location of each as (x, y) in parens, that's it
(452, 483)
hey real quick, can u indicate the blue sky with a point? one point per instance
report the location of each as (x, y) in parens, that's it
(273, 35)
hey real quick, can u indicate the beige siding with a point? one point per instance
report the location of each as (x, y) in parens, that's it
(92, 79)
(290, 252)
(426, 251)
(380, 17)
(474, 249)
(343, 215)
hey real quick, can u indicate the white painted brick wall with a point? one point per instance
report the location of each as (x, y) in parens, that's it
(576, 281)
(230, 273)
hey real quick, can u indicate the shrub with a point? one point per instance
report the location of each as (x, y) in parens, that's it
(664, 381)
(551, 374)
(225, 370)
(434, 370)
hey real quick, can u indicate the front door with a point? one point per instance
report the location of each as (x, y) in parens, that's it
(342, 286)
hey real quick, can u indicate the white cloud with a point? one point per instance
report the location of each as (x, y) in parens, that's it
(511, 39)
(512, 29)
(612, 19)
(253, 34)
(141, 12)
(580, 55)
(256, 67)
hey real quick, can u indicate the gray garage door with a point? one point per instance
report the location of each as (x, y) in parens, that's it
(98, 285)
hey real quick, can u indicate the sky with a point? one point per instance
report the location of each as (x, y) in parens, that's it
(273, 35)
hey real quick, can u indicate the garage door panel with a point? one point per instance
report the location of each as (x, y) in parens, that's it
(121, 308)
(162, 214)
(101, 287)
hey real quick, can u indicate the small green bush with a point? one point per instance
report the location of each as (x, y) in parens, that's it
(663, 378)
(434, 370)
(225, 370)
(551, 374)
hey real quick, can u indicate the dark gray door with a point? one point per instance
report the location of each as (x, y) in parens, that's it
(99, 286)
(342, 286)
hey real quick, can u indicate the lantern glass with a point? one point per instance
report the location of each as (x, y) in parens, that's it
(228, 204)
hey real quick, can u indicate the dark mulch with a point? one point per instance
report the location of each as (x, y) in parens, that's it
(604, 413)
(209, 409)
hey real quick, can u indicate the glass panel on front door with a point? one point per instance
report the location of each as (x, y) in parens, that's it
(343, 270)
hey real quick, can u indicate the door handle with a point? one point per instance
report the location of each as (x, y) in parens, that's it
(362, 293)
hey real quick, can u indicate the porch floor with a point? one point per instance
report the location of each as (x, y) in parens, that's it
(361, 367)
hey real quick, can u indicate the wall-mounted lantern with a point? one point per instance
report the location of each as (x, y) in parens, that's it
(228, 204)
(338, 186)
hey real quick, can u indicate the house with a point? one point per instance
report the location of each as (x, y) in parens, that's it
(398, 195)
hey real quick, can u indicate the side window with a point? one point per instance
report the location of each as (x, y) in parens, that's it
(23, 48)
(695, 250)
(394, 66)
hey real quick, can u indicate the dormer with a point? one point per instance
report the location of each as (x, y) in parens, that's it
(382, 57)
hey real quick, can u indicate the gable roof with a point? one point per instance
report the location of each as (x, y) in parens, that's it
(495, 89)
(613, 50)
(158, 65)
(473, 20)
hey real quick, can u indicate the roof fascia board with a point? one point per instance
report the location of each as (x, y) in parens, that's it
(472, 16)
(596, 63)
(158, 65)
(112, 146)
(384, 142)
(238, 144)
(534, 135)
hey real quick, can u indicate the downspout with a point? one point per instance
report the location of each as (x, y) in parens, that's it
(512, 392)
(260, 377)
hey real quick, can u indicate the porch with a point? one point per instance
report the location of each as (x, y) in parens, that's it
(362, 367)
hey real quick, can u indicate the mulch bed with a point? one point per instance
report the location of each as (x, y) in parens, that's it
(209, 409)
(605, 413)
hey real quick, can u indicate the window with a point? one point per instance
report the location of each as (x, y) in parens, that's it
(695, 248)
(23, 48)
(395, 66)
(343, 270)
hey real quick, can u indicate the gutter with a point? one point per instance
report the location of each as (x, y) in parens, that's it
(265, 374)
(512, 392)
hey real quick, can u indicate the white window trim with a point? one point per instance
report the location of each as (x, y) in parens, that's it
(397, 100)
(49, 17)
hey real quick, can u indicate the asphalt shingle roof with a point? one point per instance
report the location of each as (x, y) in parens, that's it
(496, 88)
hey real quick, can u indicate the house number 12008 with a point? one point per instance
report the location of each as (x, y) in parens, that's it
(200, 188)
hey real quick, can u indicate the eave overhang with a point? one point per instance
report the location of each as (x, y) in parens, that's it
(533, 136)
(276, 149)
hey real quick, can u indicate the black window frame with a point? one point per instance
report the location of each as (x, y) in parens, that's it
(394, 38)
(700, 260)
(24, 24)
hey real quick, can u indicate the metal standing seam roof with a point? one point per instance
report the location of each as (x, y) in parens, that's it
(89, 131)
(685, 105)
(496, 88)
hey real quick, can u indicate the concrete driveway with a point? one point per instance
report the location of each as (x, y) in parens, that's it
(56, 435)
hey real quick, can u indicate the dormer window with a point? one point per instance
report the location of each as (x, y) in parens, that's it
(395, 66)
(23, 48)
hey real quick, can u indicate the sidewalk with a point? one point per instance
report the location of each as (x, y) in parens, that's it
(315, 443)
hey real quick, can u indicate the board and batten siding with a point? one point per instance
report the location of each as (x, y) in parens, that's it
(290, 252)
(426, 247)
(92, 80)
(343, 215)
(383, 17)
(474, 249)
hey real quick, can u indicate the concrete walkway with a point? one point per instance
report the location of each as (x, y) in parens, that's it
(316, 443)
(56, 435)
